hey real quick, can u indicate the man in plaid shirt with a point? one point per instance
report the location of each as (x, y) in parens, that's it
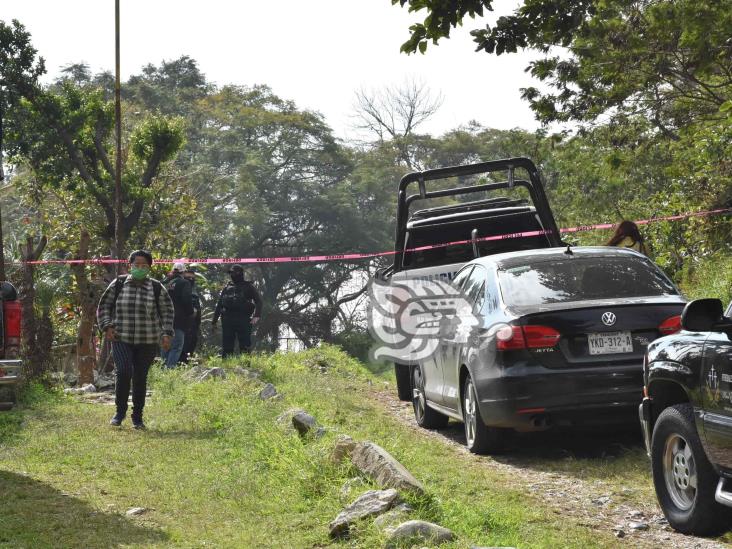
(137, 317)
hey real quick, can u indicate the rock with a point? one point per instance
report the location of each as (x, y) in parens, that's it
(602, 500)
(104, 382)
(421, 531)
(268, 392)
(243, 372)
(88, 388)
(285, 418)
(636, 515)
(212, 373)
(343, 447)
(638, 525)
(371, 503)
(397, 515)
(194, 373)
(304, 423)
(68, 379)
(372, 460)
(133, 511)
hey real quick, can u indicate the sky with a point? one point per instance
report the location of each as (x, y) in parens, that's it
(317, 52)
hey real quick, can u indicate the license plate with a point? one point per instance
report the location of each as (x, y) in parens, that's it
(608, 343)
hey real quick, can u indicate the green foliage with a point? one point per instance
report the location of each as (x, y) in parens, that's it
(157, 135)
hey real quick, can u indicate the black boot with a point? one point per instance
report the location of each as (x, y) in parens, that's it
(137, 422)
(116, 421)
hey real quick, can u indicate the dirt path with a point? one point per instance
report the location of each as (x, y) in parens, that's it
(595, 503)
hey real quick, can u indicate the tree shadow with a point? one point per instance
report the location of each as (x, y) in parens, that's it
(35, 514)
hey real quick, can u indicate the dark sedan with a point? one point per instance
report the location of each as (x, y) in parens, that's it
(558, 338)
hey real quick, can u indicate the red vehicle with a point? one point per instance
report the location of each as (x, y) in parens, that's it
(10, 315)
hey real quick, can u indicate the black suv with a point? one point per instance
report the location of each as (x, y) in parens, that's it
(521, 206)
(686, 417)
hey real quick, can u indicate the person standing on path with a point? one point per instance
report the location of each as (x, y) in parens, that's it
(239, 307)
(135, 313)
(194, 329)
(180, 292)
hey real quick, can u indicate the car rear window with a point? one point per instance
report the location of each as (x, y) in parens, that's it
(581, 278)
(452, 232)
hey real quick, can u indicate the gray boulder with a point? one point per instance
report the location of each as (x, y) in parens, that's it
(194, 373)
(343, 447)
(421, 531)
(88, 388)
(371, 503)
(104, 382)
(268, 392)
(244, 372)
(306, 424)
(212, 373)
(372, 460)
(285, 418)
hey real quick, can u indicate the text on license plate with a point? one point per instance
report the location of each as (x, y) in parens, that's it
(609, 343)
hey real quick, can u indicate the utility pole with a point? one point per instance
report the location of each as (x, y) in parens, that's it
(118, 134)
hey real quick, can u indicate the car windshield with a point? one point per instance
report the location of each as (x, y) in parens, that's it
(580, 278)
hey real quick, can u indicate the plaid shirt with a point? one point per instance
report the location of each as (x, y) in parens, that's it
(135, 316)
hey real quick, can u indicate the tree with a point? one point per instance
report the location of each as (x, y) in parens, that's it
(19, 72)
(667, 60)
(64, 134)
(393, 115)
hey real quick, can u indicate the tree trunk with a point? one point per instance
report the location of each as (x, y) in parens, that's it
(33, 364)
(2, 180)
(85, 352)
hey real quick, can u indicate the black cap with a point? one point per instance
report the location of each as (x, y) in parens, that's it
(236, 268)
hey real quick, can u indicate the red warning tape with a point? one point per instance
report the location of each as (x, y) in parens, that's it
(342, 257)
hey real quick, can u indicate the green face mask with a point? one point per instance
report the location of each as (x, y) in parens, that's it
(139, 273)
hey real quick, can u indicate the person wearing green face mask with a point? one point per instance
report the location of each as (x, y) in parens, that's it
(136, 314)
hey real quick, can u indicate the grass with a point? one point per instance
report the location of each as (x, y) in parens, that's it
(216, 470)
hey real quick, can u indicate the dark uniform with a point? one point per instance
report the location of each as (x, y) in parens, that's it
(238, 303)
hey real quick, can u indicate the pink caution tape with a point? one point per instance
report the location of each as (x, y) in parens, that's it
(357, 256)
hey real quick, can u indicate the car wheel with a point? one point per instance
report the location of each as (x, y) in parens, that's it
(426, 417)
(403, 382)
(479, 438)
(7, 397)
(684, 479)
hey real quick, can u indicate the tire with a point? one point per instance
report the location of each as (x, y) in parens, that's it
(8, 397)
(479, 438)
(426, 417)
(403, 382)
(678, 461)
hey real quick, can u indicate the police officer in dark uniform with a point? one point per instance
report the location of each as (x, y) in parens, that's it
(239, 307)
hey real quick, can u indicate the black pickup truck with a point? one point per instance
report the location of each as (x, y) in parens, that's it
(686, 416)
(515, 204)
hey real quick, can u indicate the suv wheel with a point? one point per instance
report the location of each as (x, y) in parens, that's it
(684, 479)
(426, 417)
(403, 381)
(8, 397)
(479, 438)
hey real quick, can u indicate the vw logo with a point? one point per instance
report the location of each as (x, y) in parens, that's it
(608, 319)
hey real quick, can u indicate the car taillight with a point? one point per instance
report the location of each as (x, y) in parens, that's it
(670, 326)
(510, 338)
(11, 312)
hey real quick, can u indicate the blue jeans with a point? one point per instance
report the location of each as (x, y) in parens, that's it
(176, 348)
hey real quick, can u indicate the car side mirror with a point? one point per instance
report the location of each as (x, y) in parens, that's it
(702, 315)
